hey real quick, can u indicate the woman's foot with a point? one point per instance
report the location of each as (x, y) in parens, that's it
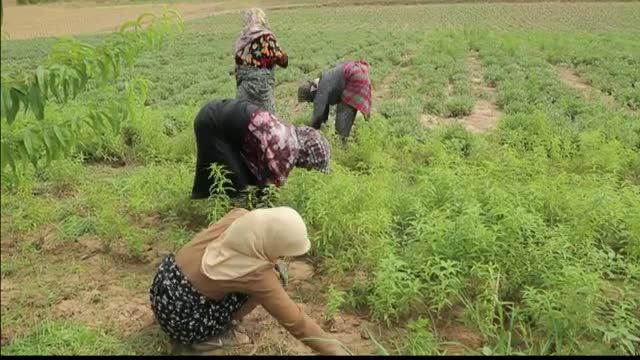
(230, 338)
(237, 326)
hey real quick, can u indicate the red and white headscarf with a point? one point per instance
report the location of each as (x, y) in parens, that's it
(315, 151)
(357, 91)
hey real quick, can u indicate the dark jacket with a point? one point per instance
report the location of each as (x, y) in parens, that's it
(330, 88)
(220, 127)
(225, 119)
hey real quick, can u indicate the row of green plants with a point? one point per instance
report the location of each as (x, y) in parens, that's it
(533, 228)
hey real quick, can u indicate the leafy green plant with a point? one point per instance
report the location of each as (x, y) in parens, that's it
(335, 301)
(219, 191)
(420, 340)
(74, 226)
(72, 64)
(255, 198)
(621, 326)
(396, 289)
(64, 75)
(460, 106)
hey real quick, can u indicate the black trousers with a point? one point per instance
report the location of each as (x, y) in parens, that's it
(345, 116)
(214, 148)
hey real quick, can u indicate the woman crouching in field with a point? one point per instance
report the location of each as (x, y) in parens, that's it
(347, 86)
(254, 145)
(257, 52)
(199, 294)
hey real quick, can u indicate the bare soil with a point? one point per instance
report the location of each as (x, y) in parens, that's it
(485, 114)
(393, 74)
(460, 338)
(111, 292)
(60, 19)
(570, 78)
(112, 306)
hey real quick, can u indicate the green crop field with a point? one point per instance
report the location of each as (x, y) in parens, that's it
(491, 205)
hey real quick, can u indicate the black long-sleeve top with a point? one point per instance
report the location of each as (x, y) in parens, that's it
(330, 88)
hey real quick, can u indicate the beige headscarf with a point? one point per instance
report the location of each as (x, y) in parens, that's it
(254, 240)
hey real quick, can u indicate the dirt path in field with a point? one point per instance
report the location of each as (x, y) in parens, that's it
(382, 90)
(485, 114)
(59, 19)
(570, 78)
(385, 85)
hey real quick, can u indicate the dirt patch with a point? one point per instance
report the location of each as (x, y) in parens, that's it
(59, 19)
(148, 221)
(300, 271)
(570, 78)
(382, 91)
(61, 286)
(485, 114)
(6, 337)
(63, 190)
(8, 292)
(90, 243)
(432, 121)
(189, 218)
(483, 118)
(86, 247)
(113, 307)
(461, 338)
(8, 242)
(45, 238)
(106, 293)
(57, 190)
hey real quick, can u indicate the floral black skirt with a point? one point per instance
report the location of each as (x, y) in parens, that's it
(183, 313)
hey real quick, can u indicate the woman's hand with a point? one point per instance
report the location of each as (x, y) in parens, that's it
(341, 352)
(282, 269)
